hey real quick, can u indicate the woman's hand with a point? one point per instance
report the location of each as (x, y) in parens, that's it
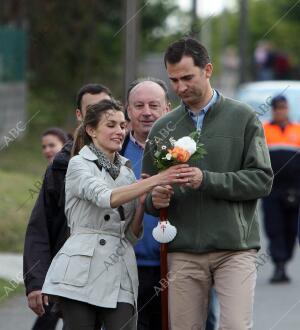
(179, 174)
(142, 198)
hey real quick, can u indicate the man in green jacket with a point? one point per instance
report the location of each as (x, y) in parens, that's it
(216, 213)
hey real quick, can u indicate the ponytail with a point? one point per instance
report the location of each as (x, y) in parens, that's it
(81, 138)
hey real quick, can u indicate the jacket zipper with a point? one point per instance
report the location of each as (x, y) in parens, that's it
(242, 222)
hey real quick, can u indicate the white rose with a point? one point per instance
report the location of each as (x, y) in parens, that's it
(172, 140)
(168, 156)
(186, 143)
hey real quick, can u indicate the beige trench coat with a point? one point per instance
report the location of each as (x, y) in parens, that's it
(90, 265)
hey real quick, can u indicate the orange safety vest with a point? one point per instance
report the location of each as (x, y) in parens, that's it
(289, 138)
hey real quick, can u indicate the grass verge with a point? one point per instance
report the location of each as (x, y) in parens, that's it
(18, 192)
(9, 289)
(22, 167)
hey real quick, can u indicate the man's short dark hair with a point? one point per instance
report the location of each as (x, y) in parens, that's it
(90, 89)
(277, 99)
(187, 47)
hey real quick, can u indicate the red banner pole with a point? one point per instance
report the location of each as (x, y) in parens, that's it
(163, 215)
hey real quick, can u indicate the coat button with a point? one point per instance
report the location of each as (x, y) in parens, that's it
(106, 217)
(102, 241)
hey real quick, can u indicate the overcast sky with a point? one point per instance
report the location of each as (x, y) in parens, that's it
(207, 7)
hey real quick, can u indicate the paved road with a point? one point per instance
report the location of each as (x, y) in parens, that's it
(277, 307)
(14, 315)
(11, 266)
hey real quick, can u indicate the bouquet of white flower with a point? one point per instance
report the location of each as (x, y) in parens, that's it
(178, 152)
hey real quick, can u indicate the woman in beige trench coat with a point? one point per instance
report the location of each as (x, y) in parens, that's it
(94, 275)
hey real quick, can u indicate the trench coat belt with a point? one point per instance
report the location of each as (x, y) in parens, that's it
(85, 230)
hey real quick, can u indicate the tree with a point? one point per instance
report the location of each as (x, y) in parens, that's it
(73, 42)
(273, 20)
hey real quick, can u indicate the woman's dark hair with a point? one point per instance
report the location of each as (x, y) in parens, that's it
(59, 133)
(187, 47)
(92, 117)
(90, 89)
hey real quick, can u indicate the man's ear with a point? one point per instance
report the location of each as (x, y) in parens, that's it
(79, 115)
(128, 110)
(168, 107)
(208, 70)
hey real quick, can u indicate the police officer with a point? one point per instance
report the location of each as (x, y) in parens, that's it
(281, 206)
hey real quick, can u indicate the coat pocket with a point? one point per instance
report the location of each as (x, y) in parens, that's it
(72, 266)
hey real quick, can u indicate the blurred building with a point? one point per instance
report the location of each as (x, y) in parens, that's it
(13, 59)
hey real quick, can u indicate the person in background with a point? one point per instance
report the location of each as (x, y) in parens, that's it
(94, 275)
(47, 228)
(216, 215)
(147, 100)
(282, 66)
(53, 139)
(281, 207)
(264, 60)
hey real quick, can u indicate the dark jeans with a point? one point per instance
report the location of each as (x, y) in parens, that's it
(281, 224)
(213, 311)
(82, 316)
(149, 304)
(46, 322)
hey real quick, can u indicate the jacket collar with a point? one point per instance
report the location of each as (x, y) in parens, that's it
(87, 153)
(62, 158)
(210, 114)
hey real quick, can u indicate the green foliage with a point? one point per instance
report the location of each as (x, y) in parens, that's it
(286, 8)
(273, 20)
(278, 22)
(22, 167)
(18, 193)
(154, 27)
(9, 289)
(72, 43)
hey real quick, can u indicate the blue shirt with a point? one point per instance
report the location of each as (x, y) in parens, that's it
(198, 119)
(147, 250)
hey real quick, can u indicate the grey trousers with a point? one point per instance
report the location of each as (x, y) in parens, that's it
(82, 316)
